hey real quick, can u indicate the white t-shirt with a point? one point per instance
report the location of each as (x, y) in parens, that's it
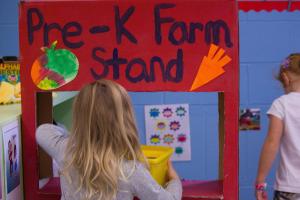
(287, 108)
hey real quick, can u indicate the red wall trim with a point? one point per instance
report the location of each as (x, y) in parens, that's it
(268, 6)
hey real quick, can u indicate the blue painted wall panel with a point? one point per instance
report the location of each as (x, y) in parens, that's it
(144, 98)
(263, 86)
(244, 84)
(9, 40)
(194, 98)
(9, 12)
(211, 143)
(139, 112)
(243, 161)
(294, 36)
(265, 41)
(243, 16)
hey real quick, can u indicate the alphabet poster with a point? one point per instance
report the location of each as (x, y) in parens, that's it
(169, 125)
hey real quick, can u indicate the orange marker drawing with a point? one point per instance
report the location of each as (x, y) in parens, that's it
(211, 66)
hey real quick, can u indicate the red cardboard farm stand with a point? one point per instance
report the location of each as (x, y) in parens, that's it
(143, 45)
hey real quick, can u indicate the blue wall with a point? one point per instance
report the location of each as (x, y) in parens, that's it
(265, 39)
(9, 32)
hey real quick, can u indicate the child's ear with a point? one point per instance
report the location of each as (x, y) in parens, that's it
(286, 79)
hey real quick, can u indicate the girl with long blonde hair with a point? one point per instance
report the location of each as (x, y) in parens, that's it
(102, 159)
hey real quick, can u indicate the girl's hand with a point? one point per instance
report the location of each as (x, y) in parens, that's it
(261, 195)
(260, 191)
(171, 174)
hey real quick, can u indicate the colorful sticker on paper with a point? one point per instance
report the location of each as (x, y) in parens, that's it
(181, 138)
(180, 111)
(154, 112)
(161, 126)
(168, 139)
(174, 125)
(167, 112)
(155, 139)
(179, 150)
(168, 125)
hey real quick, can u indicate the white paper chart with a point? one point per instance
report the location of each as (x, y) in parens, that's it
(169, 125)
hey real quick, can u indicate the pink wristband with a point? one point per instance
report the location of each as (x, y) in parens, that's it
(261, 186)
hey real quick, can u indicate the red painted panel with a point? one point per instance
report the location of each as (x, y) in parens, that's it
(202, 190)
(191, 190)
(123, 38)
(269, 6)
(42, 27)
(51, 190)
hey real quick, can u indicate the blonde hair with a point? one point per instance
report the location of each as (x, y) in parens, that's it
(291, 64)
(103, 135)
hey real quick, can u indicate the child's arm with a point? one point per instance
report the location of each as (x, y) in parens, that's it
(52, 139)
(269, 150)
(146, 188)
(172, 174)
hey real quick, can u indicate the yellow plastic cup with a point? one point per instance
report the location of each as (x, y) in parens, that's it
(158, 157)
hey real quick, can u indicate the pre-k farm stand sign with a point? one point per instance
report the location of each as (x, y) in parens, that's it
(144, 45)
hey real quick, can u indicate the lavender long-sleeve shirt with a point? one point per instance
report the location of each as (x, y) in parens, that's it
(53, 139)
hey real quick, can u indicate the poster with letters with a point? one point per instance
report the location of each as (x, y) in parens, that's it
(169, 125)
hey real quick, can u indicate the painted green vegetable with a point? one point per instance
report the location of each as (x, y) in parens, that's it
(55, 68)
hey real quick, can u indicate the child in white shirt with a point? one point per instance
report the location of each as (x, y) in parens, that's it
(283, 135)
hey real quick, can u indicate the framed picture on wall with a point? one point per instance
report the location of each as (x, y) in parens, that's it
(249, 119)
(11, 149)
